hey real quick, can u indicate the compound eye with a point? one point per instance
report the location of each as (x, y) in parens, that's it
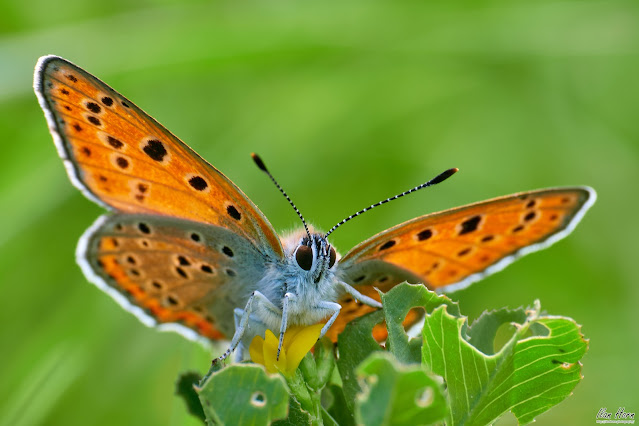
(332, 258)
(304, 257)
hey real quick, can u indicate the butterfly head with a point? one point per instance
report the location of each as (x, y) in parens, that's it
(315, 255)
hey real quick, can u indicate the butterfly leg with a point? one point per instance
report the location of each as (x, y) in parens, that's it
(261, 301)
(238, 355)
(284, 323)
(331, 306)
(359, 296)
(256, 327)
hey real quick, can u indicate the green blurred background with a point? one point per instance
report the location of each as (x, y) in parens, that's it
(348, 102)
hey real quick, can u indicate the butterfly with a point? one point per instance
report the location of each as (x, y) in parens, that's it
(185, 249)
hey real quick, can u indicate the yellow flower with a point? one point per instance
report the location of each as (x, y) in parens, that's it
(298, 340)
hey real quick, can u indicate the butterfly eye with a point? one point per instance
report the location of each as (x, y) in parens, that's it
(304, 257)
(333, 258)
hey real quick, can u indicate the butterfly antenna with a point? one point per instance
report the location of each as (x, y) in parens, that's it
(262, 166)
(437, 179)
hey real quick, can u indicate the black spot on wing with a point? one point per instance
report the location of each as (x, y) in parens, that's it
(114, 142)
(464, 252)
(144, 228)
(387, 245)
(424, 235)
(93, 107)
(122, 162)
(470, 225)
(233, 212)
(181, 272)
(155, 149)
(198, 183)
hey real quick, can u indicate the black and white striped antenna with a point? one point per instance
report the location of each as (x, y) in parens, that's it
(262, 166)
(437, 179)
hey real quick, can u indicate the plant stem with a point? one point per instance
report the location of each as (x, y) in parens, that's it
(307, 397)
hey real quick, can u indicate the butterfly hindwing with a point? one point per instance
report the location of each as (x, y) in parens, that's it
(123, 159)
(172, 271)
(449, 250)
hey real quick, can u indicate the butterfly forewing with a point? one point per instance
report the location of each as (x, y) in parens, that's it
(122, 158)
(451, 249)
(172, 271)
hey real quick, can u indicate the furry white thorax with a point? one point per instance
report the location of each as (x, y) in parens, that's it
(307, 288)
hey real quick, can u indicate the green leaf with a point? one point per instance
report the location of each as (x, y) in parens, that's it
(185, 388)
(481, 334)
(327, 419)
(397, 394)
(244, 394)
(536, 369)
(354, 344)
(296, 415)
(396, 305)
(339, 409)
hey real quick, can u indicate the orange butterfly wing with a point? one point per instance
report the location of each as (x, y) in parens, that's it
(449, 250)
(123, 159)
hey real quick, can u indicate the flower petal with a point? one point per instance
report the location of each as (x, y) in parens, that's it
(290, 334)
(271, 362)
(304, 340)
(256, 350)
